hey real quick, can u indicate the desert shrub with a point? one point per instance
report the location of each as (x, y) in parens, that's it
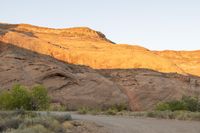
(62, 118)
(176, 105)
(186, 103)
(179, 115)
(47, 122)
(32, 129)
(5, 100)
(162, 114)
(58, 107)
(162, 106)
(138, 114)
(96, 111)
(8, 123)
(191, 103)
(22, 98)
(83, 110)
(87, 110)
(172, 106)
(17, 98)
(40, 99)
(111, 111)
(32, 122)
(119, 107)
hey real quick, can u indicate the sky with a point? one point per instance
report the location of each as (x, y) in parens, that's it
(154, 24)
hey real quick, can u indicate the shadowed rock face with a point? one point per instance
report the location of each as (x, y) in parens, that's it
(71, 85)
(85, 46)
(78, 86)
(29, 61)
(145, 88)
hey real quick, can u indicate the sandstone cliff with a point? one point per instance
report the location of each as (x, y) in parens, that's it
(55, 57)
(70, 85)
(85, 46)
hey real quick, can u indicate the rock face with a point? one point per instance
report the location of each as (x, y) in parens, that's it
(34, 55)
(188, 61)
(79, 86)
(72, 85)
(85, 46)
(145, 88)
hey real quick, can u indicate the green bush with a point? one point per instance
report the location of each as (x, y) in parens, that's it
(172, 106)
(187, 103)
(40, 98)
(20, 97)
(176, 105)
(83, 110)
(32, 122)
(191, 103)
(5, 100)
(17, 98)
(162, 106)
(120, 107)
(111, 111)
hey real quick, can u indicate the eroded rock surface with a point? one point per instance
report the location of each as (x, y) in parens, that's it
(85, 46)
(30, 55)
(71, 85)
(145, 88)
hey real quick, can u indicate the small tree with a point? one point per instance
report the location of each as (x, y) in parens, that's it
(176, 105)
(5, 100)
(40, 98)
(192, 103)
(21, 98)
(188, 103)
(162, 106)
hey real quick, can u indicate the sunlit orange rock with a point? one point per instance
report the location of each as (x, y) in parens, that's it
(23, 50)
(85, 46)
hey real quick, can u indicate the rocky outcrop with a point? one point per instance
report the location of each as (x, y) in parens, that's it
(79, 86)
(188, 61)
(35, 55)
(71, 85)
(85, 46)
(145, 88)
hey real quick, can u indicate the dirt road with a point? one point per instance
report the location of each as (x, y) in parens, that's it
(116, 124)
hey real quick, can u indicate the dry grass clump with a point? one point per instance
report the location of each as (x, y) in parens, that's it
(29, 122)
(179, 115)
(112, 110)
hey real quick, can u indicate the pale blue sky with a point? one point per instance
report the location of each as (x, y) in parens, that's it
(154, 24)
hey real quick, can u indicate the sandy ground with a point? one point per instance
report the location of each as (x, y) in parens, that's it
(126, 124)
(116, 124)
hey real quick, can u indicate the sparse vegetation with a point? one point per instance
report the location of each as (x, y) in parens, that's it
(113, 110)
(187, 103)
(58, 107)
(29, 122)
(180, 115)
(19, 97)
(84, 110)
(39, 98)
(188, 108)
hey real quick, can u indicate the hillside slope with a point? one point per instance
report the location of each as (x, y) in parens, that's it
(70, 85)
(85, 46)
(78, 86)
(34, 55)
(145, 88)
